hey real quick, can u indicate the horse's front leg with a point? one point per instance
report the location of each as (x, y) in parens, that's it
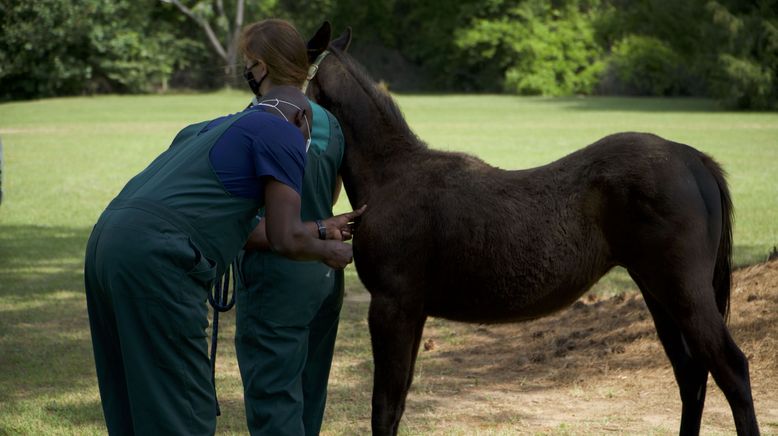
(395, 333)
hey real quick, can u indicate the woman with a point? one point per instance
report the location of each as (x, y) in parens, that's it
(155, 251)
(288, 311)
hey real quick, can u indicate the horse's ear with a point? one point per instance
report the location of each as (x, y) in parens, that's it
(343, 41)
(320, 40)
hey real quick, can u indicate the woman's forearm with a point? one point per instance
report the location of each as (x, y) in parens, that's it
(258, 238)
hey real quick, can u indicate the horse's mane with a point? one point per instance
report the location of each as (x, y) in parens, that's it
(383, 101)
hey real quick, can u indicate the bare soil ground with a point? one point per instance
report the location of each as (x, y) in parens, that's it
(594, 368)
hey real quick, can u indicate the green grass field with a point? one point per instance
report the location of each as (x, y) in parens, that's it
(65, 159)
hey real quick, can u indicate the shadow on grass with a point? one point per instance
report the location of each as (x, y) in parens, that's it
(584, 342)
(45, 346)
(591, 343)
(577, 344)
(80, 414)
(36, 260)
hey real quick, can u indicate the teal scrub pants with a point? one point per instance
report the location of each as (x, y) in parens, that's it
(287, 321)
(146, 285)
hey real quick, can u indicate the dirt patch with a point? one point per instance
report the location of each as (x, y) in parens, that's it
(594, 368)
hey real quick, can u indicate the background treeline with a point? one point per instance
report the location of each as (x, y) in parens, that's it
(725, 49)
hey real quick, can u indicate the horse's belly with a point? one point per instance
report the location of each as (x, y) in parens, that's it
(482, 306)
(506, 294)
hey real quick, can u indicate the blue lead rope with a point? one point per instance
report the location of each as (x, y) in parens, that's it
(220, 300)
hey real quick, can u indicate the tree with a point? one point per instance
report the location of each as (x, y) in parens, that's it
(226, 44)
(64, 47)
(746, 74)
(727, 49)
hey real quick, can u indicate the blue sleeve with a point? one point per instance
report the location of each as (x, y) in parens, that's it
(257, 146)
(279, 151)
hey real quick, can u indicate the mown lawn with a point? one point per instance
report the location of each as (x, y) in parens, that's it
(66, 158)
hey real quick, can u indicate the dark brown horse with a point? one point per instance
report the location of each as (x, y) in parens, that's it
(449, 236)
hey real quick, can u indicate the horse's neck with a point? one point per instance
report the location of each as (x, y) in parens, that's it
(370, 160)
(377, 143)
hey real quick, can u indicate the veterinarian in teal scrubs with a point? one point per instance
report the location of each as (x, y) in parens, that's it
(288, 311)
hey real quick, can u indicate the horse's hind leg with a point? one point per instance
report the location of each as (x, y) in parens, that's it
(691, 374)
(708, 337)
(687, 318)
(395, 334)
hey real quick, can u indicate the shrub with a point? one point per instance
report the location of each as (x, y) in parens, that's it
(644, 65)
(537, 48)
(745, 84)
(745, 75)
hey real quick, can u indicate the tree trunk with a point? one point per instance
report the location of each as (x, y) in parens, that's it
(227, 50)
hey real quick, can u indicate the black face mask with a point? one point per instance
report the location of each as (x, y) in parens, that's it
(253, 84)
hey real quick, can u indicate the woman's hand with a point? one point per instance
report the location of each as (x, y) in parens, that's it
(339, 254)
(288, 236)
(341, 227)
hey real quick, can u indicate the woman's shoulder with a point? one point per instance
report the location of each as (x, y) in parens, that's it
(258, 116)
(261, 124)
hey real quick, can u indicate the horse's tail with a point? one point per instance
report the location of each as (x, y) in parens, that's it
(722, 274)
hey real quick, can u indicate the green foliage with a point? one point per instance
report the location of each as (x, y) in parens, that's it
(425, 35)
(646, 65)
(60, 47)
(538, 48)
(397, 40)
(727, 49)
(746, 75)
(42, 47)
(129, 54)
(745, 84)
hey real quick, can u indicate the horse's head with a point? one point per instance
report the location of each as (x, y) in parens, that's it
(373, 126)
(344, 87)
(327, 72)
